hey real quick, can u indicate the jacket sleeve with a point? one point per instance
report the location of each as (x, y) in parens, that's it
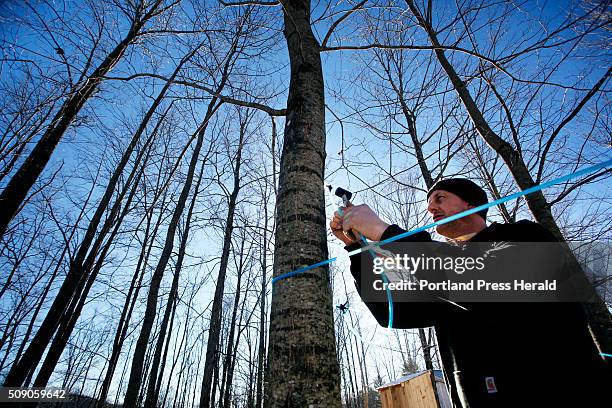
(406, 315)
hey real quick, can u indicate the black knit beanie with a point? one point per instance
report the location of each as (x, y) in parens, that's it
(466, 189)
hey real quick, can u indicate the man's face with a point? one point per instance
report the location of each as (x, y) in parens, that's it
(442, 204)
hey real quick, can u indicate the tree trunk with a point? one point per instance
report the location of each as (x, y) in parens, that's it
(261, 347)
(302, 366)
(226, 383)
(426, 349)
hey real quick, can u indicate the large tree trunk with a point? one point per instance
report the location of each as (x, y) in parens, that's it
(302, 368)
(15, 193)
(600, 320)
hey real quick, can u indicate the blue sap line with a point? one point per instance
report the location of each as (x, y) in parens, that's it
(474, 210)
(383, 276)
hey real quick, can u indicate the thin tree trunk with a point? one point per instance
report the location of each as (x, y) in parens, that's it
(353, 367)
(226, 383)
(302, 368)
(261, 348)
(363, 355)
(363, 363)
(363, 372)
(426, 349)
(349, 366)
(162, 366)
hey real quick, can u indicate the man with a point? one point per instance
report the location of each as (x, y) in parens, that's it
(493, 354)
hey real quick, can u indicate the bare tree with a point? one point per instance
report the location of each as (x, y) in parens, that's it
(21, 182)
(135, 380)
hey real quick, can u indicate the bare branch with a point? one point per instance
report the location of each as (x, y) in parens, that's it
(578, 184)
(224, 98)
(337, 22)
(250, 3)
(441, 47)
(569, 118)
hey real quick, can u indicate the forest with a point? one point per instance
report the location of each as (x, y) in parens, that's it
(161, 161)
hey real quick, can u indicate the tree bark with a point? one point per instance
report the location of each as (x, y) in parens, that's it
(302, 368)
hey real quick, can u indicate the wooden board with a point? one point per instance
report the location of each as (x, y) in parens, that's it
(417, 392)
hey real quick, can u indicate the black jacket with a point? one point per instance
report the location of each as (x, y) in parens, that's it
(537, 354)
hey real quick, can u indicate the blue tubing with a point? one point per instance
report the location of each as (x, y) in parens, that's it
(386, 281)
(383, 275)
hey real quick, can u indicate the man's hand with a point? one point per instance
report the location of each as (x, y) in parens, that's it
(357, 219)
(336, 227)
